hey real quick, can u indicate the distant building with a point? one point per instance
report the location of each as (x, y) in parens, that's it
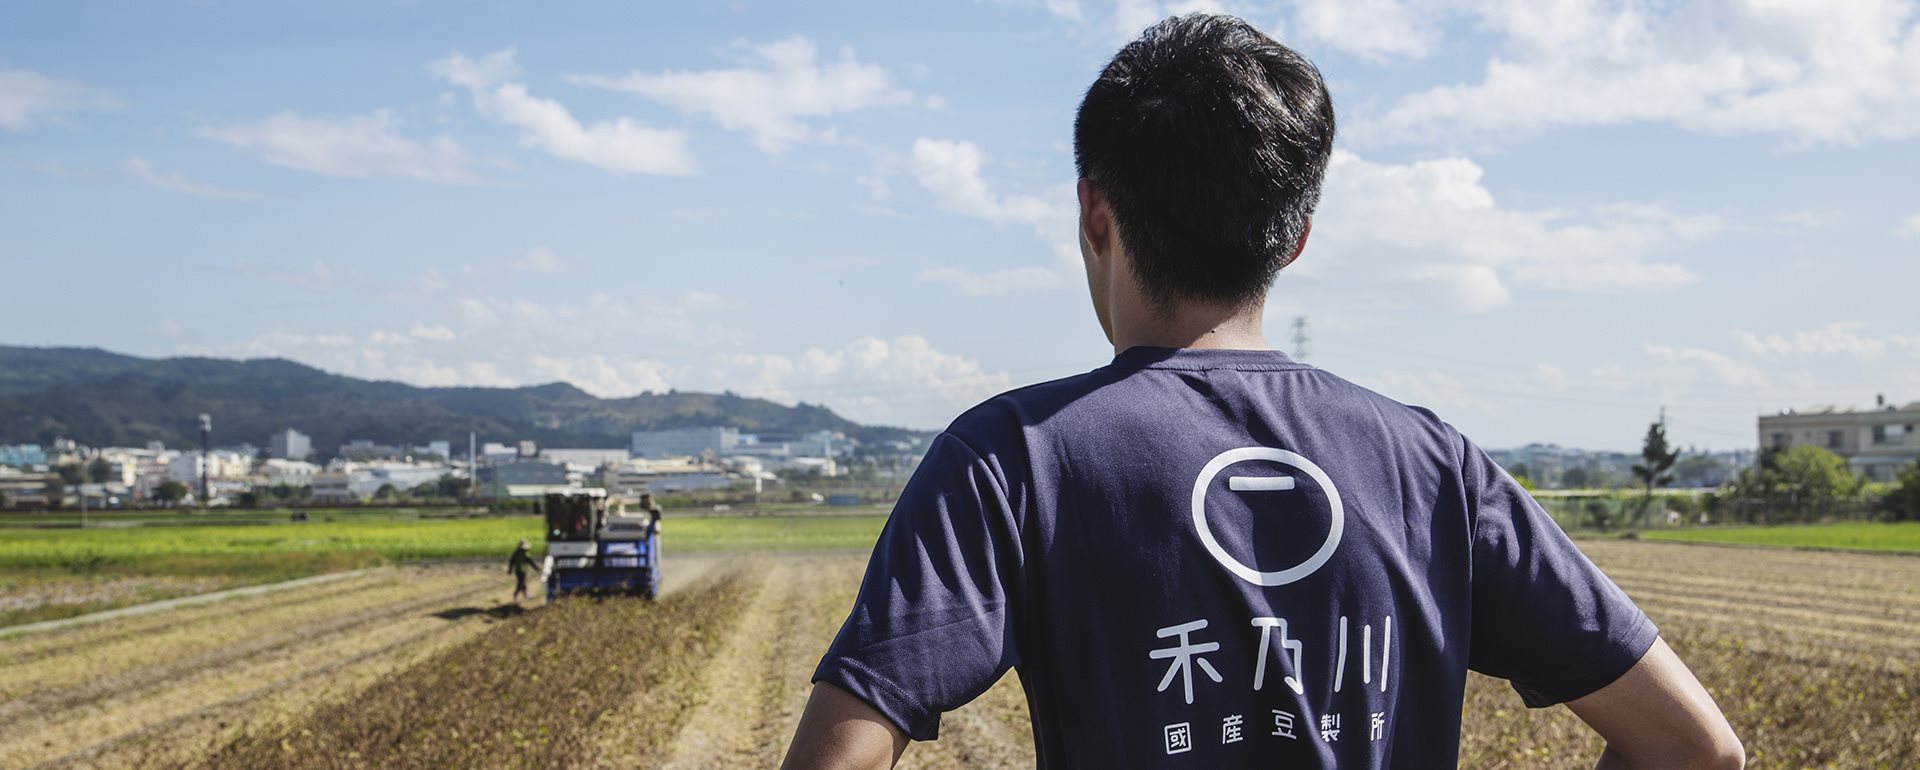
(332, 487)
(1876, 442)
(403, 477)
(23, 456)
(685, 442)
(818, 466)
(290, 444)
(293, 473)
(350, 482)
(150, 471)
(23, 490)
(363, 450)
(492, 453)
(590, 458)
(520, 474)
(123, 465)
(185, 467)
(822, 443)
(676, 475)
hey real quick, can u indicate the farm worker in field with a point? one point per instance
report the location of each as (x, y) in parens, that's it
(518, 564)
(653, 511)
(1208, 554)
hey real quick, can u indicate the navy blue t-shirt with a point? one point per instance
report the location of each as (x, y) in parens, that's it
(1222, 558)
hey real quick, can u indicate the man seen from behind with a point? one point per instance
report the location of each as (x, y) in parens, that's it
(1206, 554)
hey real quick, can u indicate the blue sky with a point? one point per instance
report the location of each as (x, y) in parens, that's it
(1545, 220)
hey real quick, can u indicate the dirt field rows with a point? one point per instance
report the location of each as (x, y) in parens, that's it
(1812, 654)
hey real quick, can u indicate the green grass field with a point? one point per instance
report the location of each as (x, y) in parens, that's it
(1903, 537)
(405, 539)
(53, 573)
(161, 517)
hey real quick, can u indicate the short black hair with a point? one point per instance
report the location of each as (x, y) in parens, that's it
(1210, 141)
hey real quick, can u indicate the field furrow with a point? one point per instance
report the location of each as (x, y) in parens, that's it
(1869, 603)
(405, 669)
(277, 655)
(832, 583)
(729, 722)
(179, 741)
(182, 664)
(1830, 617)
(185, 621)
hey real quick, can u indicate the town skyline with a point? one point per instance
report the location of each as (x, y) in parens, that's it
(879, 217)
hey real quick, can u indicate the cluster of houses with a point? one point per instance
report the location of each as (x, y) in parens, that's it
(658, 461)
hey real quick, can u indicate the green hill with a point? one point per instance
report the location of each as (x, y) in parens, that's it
(100, 398)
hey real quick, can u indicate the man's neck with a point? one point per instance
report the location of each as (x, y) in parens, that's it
(1191, 326)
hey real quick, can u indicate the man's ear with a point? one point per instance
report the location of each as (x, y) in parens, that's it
(1300, 245)
(1096, 221)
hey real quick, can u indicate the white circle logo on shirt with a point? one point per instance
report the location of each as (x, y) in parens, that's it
(1265, 484)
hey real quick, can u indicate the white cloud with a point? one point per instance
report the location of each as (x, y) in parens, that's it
(1811, 218)
(997, 282)
(178, 182)
(430, 280)
(28, 97)
(605, 376)
(350, 146)
(1813, 72)
(1068, 10)
(1909, 227)
(277, 343)
(694, 299)
(315, 275)
(1433, 389)
(769, 96)
(1467, 287)
(1842, 338)
(1118, 21)
(417, 333)
(540, 260)
(870, 380)
(622, 145)
(1431, 223)
(1130, 17)
(1370, 29)
(1552, 376)
(1435, 223)
(431, 332)
(1734, 374)
(951, 172)
(434, 355)
(903, 380)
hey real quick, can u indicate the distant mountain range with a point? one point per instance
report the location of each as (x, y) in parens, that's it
(100, 398)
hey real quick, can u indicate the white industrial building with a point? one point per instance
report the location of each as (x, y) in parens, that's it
(588, 458)
(685, 442)
(290, 444)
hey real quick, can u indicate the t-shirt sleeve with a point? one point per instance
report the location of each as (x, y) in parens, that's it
(1544, 617)
(933, 625)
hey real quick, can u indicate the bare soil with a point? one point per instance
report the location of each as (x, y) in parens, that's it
(1813, 656)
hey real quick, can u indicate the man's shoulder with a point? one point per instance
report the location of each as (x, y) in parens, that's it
(1111, 399)
(1011, 413)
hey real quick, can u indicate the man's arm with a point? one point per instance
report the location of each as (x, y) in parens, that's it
(1658, 716)
(839, 731)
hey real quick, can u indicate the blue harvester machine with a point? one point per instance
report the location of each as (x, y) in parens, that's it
(597, 550)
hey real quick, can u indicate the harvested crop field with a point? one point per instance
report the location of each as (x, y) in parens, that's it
(1812, 654)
